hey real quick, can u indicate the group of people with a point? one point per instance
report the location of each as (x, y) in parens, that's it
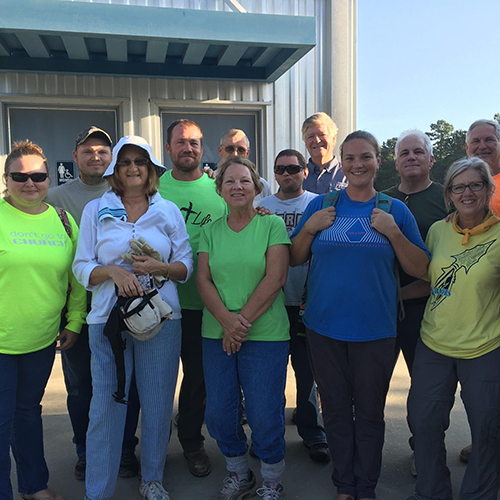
(326, 270)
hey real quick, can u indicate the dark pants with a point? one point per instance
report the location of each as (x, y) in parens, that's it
(308, 422)
(432, 394)
(192, 396)
(408, 335)
(23, 379)
(353, 380)
(78, 380)
(409, 332)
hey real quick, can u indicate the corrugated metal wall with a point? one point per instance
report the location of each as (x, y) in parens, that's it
(283, 105)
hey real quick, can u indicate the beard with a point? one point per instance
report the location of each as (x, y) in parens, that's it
(186, 163)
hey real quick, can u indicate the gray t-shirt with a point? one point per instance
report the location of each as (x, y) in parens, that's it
(74, 195)
(291, 211)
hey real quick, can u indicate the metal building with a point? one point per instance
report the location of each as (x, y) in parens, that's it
(133, 66)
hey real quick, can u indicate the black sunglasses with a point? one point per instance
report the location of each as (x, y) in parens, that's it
(22, 177)
(291, 169)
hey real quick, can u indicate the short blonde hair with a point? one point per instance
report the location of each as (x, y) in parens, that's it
(241, 161)
(320, 119)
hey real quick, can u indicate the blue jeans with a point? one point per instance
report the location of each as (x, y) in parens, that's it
(156, 363)
(308, 422)
(259, 368)
(23, 380)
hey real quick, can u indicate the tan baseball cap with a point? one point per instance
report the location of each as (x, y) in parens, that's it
(93, 130)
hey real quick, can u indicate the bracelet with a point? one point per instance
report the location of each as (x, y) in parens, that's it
(167, 277)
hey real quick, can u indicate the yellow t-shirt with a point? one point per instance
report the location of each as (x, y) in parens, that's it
(35, 268)
(462, 316)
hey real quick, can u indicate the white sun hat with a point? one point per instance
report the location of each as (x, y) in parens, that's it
(133, 140)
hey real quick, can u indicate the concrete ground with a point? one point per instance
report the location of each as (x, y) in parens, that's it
(303, 478)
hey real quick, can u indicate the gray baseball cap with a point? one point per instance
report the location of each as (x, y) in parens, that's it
(93, 130)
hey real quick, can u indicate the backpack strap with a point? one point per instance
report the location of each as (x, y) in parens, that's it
(63, 215)
(383, 202)
(331, 199)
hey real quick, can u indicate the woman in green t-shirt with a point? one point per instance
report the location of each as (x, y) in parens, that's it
(37, 246)
(242, 267)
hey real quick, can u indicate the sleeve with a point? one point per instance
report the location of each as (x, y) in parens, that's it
(408, 225)
(181, 248)
(313, 206)
(429, 242)
(85, 258)
(278, 234)
(204, 244)
(77, 300)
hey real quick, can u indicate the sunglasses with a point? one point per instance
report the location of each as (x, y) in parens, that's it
(231, 149)
(138, 162)
(21, 177)
(291, 169)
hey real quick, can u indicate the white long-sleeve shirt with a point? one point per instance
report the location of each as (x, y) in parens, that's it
(105, 234)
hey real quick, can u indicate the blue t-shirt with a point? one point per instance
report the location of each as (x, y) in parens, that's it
(351, 287)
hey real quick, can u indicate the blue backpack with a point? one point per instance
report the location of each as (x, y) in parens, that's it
(382, 202)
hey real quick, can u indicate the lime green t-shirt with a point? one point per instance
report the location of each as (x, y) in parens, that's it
(35, 268)
(462, 316)
(238, 264)
(200, 205)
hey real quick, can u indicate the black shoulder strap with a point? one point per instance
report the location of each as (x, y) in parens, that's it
(63, 215)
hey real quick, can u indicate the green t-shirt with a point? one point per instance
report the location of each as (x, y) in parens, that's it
(200, 205)
(35, 268)
(462, 316)
(238, 264)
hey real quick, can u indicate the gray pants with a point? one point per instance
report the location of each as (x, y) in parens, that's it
(432, 394)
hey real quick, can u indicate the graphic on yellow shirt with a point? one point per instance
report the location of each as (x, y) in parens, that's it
(466, 260)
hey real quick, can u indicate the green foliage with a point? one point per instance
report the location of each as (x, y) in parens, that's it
(448, 146)
(387, 175)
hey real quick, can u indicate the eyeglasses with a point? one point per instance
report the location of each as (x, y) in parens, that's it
(291, 169)
(232, 149)
(138, 162)
(22, 177)
(473, 186)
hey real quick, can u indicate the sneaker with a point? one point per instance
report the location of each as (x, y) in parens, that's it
(198, 462)
(234, 489)
(413, 467)
(80, 468)
(271, 491)
(319, 452)
(129, 465)
(153, 490)
(465, 454)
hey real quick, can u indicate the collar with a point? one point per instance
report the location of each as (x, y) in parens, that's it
(489, 220)
(335, 163)
(111, 206)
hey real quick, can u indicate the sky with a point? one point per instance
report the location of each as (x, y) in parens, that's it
(421, 61)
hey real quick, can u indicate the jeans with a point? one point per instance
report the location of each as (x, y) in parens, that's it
(432, 394)
(23, 380)
(353, 380)
(192, 396)
(156, 364)
(78, 380)
(259, 368)
(308, 422)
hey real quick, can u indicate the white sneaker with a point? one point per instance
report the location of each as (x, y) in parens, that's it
(153, 490)
(271, 491)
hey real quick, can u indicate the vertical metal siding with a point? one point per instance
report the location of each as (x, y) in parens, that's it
(293, 97)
